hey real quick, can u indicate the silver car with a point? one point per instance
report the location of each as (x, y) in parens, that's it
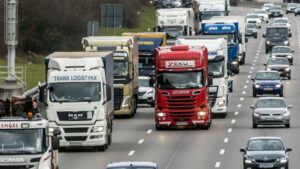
(271, 111)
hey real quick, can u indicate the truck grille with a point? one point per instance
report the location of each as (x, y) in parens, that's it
(76, 130)
(251, 21)
(17, 167)
(118, 98)
(181, 106)
(75, 115)
(75, 138)
(213, 94)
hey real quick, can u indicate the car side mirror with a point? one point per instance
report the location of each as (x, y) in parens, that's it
(252, 107)
(290, 35)
(293, 51)
(288, 149)
(264, 35)
(290, 106)
(242, 150)
(267, 21)
(253, 79)
(265, 64)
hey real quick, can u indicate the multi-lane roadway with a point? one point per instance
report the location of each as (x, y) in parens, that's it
(218, 147)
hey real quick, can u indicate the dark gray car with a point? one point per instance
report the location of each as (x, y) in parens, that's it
(265, 152)
(283, 51)
(271, 111)
(251, 30)
(281, 65)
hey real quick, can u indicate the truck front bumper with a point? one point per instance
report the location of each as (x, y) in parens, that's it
(220, 106)
(81, 135)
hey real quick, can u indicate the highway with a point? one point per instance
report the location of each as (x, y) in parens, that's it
(218, 147)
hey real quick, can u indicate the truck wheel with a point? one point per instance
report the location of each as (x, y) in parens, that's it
(289, 77)
(101, 148)
(231, 88)
(255, 36)
(207, 126)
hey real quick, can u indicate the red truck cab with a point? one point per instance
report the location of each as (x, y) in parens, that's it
(181, 84)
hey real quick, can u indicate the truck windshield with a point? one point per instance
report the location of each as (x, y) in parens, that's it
(206, 15)
(173, 31)
(231, 39)
(180, 80)
(277, 32)
(75, 92)
(29, 141)
(216, 68)
(146, 62)
(121, 68)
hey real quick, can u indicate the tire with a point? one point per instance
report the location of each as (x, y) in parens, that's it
(231, 88)
(295, 14)
(109, 140)
(281, 94)
(152, 104)
(289, 77)
(266, 50)
(207, 127)
(223, 115)
(254, 125)
(255, 36)
(254, 93)
(287, 125)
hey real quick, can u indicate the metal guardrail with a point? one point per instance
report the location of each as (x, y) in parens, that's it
(20, 73)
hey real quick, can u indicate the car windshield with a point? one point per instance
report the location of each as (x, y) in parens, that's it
(252, 16)
(278, 61)
(146, 62)
(280, 21)
(23, 141)
(216, 68)
(275, 8)
(207, 15)
(270, 103)
(180, 80)
(260, 12)
(265, 145)
(132, 168)
(281, 50)
(292, 5)
(277, 32)
(121, 68)
(267, 76)
(75, 92)
(173, 31)
(144, 83)
(267, 5)
(251, 26)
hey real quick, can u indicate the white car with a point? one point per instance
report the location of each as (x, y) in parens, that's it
(267, 6)
(282, 22)
(254, 18)
(146, 90)
(264, 14)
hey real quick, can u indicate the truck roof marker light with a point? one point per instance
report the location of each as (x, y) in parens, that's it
(29, 115)
(180, 48)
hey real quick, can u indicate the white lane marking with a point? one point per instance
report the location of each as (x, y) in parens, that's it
(131, 153)
(229, 130)
(253, 64)
(244, 92)
(258, 51)
(241, 99)
(232, 121)
(149, 131)
(141, 141)
(249, 77)
(247, 81)
(252, 68)
(239, 105)
(218, 164)
(245, 86)
(222, 151)
(236, 113)
(226, 140)
(250, 72)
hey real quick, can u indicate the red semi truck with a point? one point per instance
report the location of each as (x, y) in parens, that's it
(182, 80)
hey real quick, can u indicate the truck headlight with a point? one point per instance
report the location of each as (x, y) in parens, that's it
(97, 129)
(268, 69)
(150, 92)
(287, 69)
(278, 86)
(268, 42)
(201, 113)
(221, 103)
(286, 42)
(283, 160)
(161, 114)
(257, 86)
(289, 56)
(126, 101)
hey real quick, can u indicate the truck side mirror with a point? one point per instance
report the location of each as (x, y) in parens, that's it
(246, 40)
(290, 35)
(210, 78)
(42, 93)
(108, 92)
(55, 142)
(264, 35)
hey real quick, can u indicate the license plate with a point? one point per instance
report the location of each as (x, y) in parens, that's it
(182, 124)
(268, 89)
(75, 143)
(140, 97)
(266, 166)
(270, 118)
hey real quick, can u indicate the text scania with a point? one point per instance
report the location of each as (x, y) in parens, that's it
(75, 78)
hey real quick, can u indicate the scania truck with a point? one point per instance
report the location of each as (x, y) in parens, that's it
(217, 67)
(148, 41)
(175, 22)
(240, 21)
(210, 27)
(125, 71)
(181, 78)
(28, 143)
(78, 96)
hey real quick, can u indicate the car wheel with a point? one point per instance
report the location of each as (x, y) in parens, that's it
(255, 36)
(231, 88)
(266, 50)
(289, 77)
(254, 93)
(292, 62)
(254, 125)
(281, 93)
(287, 126)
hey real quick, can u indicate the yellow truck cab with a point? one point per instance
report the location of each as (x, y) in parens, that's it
(125, 69)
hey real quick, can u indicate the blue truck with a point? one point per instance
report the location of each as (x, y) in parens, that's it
(209, 27)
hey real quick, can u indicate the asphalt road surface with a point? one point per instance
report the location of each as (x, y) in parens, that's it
(137, 139)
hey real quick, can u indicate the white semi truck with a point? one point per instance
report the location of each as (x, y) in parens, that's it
(217, 67)
(78, 96)
(175, 22)
(28, 143)
(242, 33)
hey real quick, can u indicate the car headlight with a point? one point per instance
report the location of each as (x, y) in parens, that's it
(257, 86)
(248, 161)
(278, 86)
(281, 12)
(287, 113)
(256, 114)
(273, 56)
(126, 101)
(150, 92)
(287, 69)
(201, 113)
(286, 42)
(221, 103)
(289, 56)
(268, 42)
(268, 69)
(97, 129)
(283, 160)
(234, 62)
(161, 114)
